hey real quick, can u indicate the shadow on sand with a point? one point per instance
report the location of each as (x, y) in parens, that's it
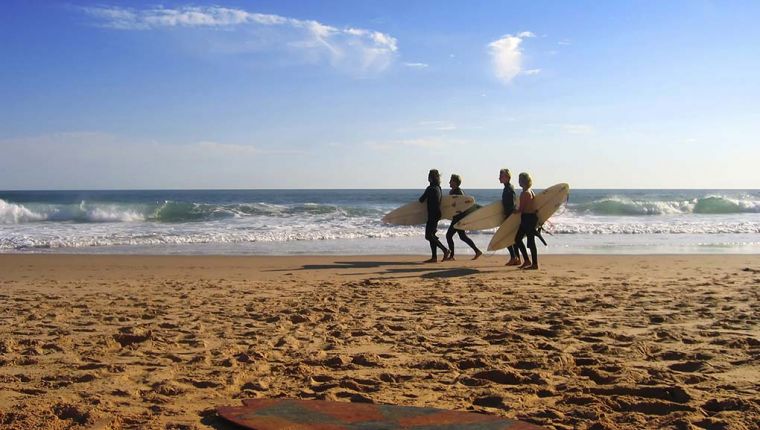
(213, 420)
(421, 270)
(350, 265)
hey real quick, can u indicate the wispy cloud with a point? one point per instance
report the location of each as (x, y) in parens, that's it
(428, 142)
(95, 159)
(352, 49)
(423, 142)
(577, 128)
(219, 148)
(428, 126)
(226, 148)
(158, 17)
(437, 125)
(106, 146)
(507, 55)
(416, 65)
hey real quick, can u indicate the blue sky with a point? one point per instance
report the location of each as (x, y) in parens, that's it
(372, 94)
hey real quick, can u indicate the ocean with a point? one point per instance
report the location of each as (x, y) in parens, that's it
(342, 222)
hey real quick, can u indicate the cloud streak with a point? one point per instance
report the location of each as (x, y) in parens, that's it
(89, 160)
(578, 128)
(423, 142)
(351, 49)
(507, 56)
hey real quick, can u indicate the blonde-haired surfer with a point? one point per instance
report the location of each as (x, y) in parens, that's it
(528, 222)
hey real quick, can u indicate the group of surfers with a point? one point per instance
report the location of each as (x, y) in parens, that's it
(525, 207)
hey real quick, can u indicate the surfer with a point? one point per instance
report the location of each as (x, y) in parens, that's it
(509, 202)
(455, 182)
(433, 197)
(528, 222)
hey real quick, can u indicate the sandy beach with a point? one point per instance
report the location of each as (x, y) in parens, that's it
(588, 342)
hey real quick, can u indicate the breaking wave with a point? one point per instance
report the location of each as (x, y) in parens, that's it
(168, 211)
(620, 206)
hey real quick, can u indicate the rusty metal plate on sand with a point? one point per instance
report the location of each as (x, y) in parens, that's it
(292, 414)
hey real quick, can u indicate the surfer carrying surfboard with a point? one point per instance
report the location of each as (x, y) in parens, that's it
(455, 182)
(432, 196)
(528, 222)
(509, 202)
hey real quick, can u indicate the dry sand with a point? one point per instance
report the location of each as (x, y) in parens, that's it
(112, 342)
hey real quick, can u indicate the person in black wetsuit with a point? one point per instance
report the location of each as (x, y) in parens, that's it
(454, 183)
(509, 202)
(432, 196)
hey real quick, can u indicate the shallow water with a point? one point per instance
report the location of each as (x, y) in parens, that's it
(282, 222)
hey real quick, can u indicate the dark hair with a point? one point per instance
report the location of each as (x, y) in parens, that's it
(434, 177)
(457, 179)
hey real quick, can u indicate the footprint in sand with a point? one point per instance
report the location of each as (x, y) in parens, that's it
(689, 366)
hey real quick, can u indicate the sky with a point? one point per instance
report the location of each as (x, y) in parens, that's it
(373, 94)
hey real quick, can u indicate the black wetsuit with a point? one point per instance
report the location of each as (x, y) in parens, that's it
(509, 202)
(432, 196)
(462, 235)
(528, 224)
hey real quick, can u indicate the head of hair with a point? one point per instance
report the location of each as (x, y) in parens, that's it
(505, 171)
(525, 180)
(457, 179)
(434, 177)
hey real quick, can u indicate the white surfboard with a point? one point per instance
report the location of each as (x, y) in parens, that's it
(546, 202)
(416, 212)
(484, 218)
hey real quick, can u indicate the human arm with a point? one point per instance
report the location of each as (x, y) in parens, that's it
(424, 195)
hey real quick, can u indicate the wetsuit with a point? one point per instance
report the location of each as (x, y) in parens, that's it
(432, 196)
(509, 202)
(462, 235)
(528, 224)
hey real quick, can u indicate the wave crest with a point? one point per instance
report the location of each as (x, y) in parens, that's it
(619, 206)
(11, 213)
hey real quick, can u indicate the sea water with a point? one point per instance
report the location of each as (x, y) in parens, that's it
(335, 222)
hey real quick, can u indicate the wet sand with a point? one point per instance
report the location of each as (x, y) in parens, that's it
(588, 342)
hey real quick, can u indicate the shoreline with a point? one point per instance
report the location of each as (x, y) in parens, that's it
(270, 267)
(611, 341)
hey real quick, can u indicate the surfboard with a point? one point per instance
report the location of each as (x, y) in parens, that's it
(507, 230)
(294, 414)
(416, 212)
(547, 202)
(489, 216)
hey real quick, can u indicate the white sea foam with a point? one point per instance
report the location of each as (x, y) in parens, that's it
(625, 206)
(194, 219)
(11, 213)
(109, 213)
